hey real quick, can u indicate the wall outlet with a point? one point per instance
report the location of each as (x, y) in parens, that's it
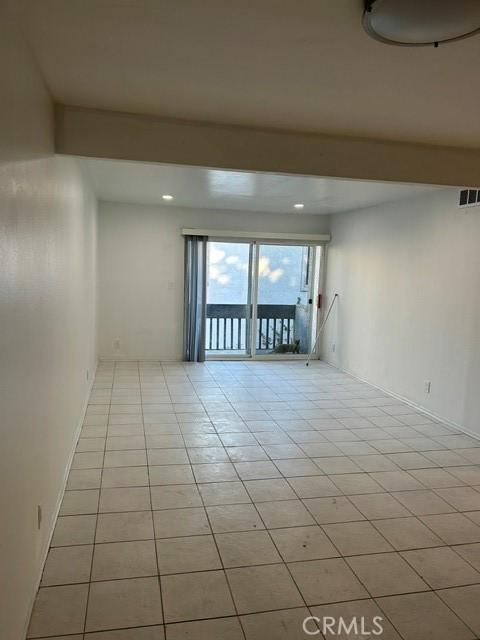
(427, 386)
(39, 517)
(116, 344)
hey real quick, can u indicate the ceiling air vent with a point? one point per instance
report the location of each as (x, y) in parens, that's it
(469, 198)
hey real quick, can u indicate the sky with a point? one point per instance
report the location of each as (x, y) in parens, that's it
(280, 274)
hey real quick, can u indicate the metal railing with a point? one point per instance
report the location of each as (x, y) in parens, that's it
(227, 326)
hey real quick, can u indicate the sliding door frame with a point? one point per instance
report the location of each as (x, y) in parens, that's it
(316, 288)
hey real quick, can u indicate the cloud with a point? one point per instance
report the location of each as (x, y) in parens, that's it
(215, 255)
(232, 260)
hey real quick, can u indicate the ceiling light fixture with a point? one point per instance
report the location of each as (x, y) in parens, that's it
(167, 197)
(420, 23)
(298, 206)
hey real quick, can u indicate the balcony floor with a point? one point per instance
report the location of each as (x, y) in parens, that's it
(231, 500)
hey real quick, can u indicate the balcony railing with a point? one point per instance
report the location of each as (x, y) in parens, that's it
(227, 326)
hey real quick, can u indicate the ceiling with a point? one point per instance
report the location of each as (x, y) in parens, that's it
(198, 187)
(305, 65)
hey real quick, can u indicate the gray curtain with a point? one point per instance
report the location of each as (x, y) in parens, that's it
(195, 298)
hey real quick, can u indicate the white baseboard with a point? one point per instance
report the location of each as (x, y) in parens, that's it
(411, 403)
(58, 504)
(138, 359)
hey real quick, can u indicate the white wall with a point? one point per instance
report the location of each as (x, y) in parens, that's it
(47, 305)
(140, 263)
(408, 275)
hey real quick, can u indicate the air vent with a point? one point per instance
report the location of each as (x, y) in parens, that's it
(469, 198)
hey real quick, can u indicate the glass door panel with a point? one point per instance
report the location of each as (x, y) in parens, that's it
(229, 299)
(284, 299)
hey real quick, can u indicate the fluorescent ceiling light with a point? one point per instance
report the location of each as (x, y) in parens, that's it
(417, 23)
(298, 206)
(167, 197)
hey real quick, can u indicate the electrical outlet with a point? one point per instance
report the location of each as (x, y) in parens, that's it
(39, 517)
(427, 386)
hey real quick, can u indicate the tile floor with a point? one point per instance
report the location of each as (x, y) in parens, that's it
(230, 500)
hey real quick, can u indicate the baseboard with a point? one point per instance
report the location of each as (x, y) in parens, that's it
(411, 403)
(138, 359)
(59, 501)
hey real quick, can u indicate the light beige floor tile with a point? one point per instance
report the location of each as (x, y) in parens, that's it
(335, 509)
(284, 513)
(324, 581)
(462, 498)
(116, 560)
(338, 464)
(423, 502)
(257, 470)
(397, 481)
(207, 455)
(436, 478)
(352, 483)
(173, 523)
(167, 456)
(88, 460)
(84, 479)
(470, 475)
(171, 474)
(407, 533)
(123, 527)
(125, 499)
(194, 553)
(453, 528)
(276, 625)
(67, 565)
(246, 548)
(355, 538)
(263, 588)
(374, 462)
(300, 467)
(423, 616)
(125, 477)
(194, 596)
(58, 611)
(441, 567)
(136, 458)
(248, 453)
(217, 493)
(125, 443)
(464, 602)
(216, 629)
(386, 574)
(303, 543)
(314, 487)
(235, 517)
(352, 613)
(470, 553)
(215, 472)
(379, 505)
(175, 496)
(71, 530)
(124, 603)
(265, 490)
(79, 502)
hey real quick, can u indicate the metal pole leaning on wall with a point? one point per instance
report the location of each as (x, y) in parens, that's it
(322, 326)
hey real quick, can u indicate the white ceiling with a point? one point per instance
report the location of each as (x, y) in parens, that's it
(198, 187)
(301, 65)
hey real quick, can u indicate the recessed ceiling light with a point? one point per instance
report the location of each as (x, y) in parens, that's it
(299, 205)
(415, 23)
(167, 197)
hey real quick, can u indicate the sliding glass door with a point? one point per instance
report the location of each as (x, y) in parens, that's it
(284, 299)
(260, 299)
(229, 299)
